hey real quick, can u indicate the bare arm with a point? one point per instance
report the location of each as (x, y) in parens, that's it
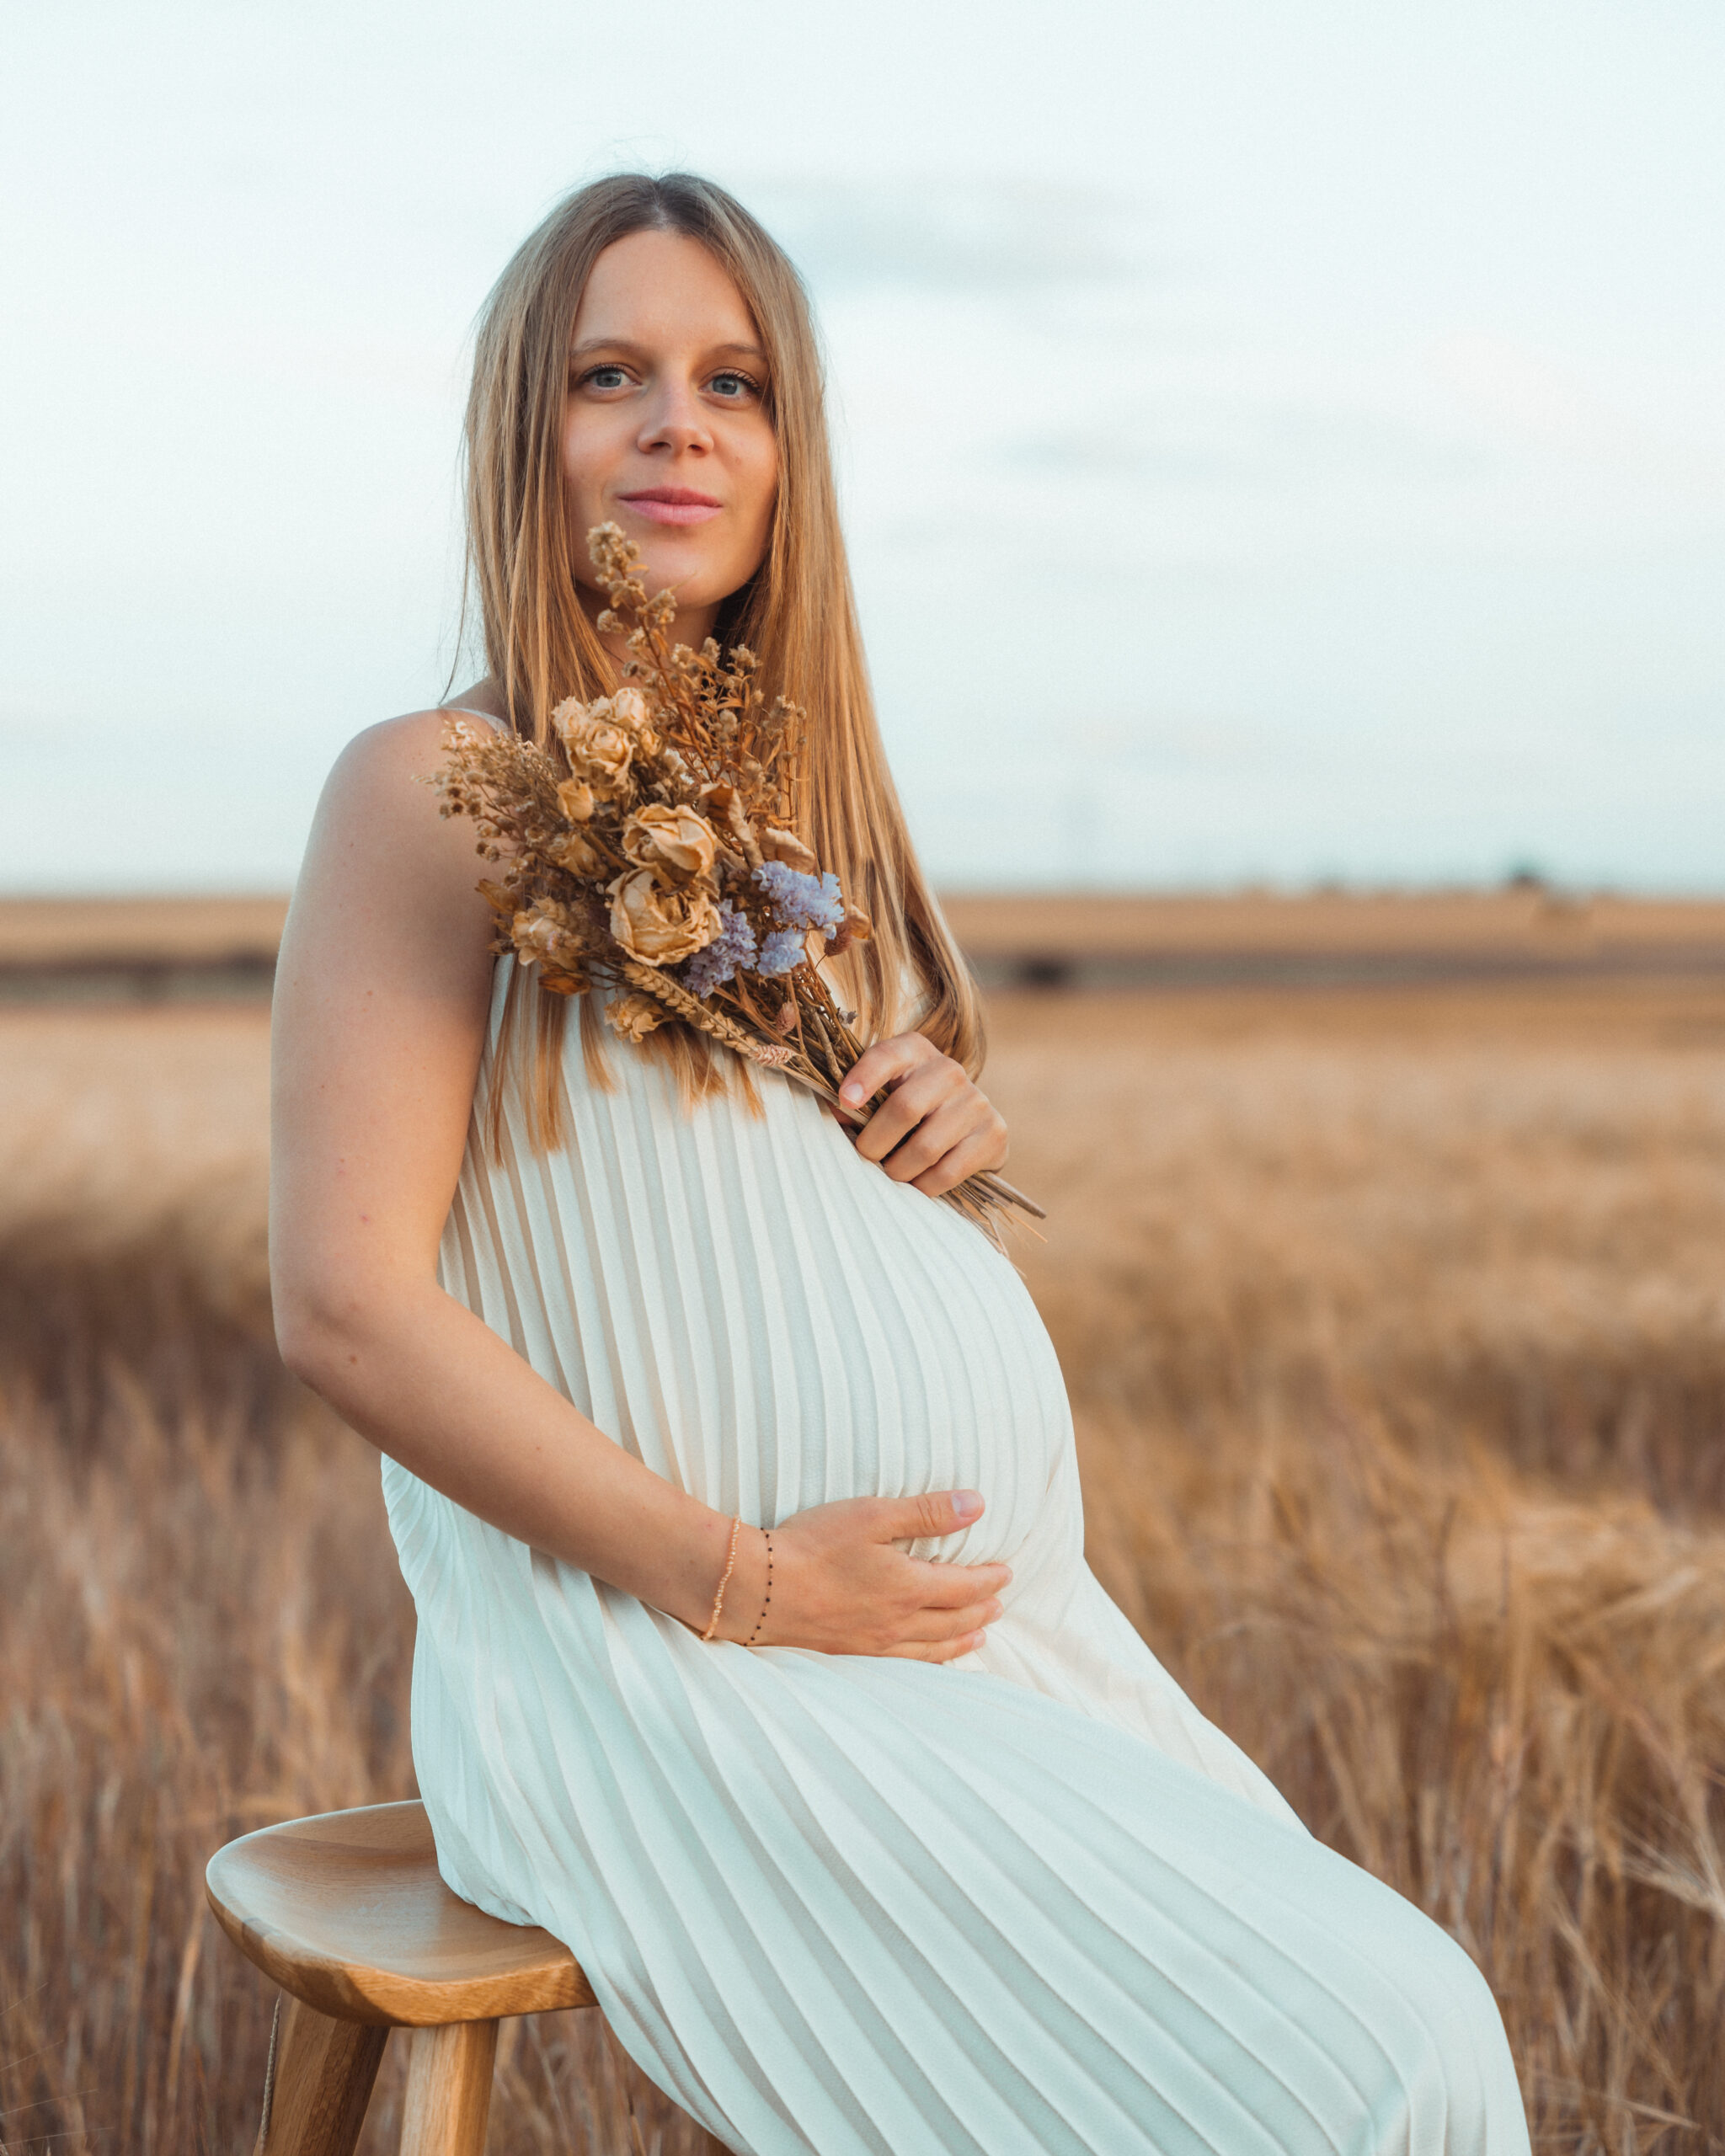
(381, 1001)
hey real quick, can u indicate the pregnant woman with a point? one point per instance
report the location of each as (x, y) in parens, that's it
(731, 1472)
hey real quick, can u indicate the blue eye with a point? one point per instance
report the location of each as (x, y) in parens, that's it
(605, 377)
(731, 385)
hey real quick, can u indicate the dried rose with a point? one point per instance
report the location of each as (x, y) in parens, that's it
(676, 842)
(630, 710)
(657, 924)
(572, 712)
(575, 851)
(599, 750)
(788, 847)
(599, 754)
(631, 1017)
(541, 937)
(574, 797)
(724, 804)
(629, 707)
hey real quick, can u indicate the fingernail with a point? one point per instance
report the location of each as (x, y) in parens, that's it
(967, 1504)
(853, 1094)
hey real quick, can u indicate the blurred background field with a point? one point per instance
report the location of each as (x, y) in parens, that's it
(1394, 1317)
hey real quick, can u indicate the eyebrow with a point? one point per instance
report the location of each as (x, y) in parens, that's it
(625, 344)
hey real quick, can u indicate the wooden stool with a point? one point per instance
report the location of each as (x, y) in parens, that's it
(347, 1912)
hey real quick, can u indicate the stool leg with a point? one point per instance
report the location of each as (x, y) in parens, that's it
(321, 2084)
(449, 2089)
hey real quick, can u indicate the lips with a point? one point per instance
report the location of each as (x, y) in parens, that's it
(672, 504)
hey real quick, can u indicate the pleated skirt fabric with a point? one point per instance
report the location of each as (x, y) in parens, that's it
(1028, 1902)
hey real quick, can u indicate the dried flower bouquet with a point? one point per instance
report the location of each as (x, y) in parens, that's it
(662, 865)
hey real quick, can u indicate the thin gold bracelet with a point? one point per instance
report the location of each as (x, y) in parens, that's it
(730, 1563)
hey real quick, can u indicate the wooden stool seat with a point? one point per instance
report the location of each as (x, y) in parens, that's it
(347, 1914)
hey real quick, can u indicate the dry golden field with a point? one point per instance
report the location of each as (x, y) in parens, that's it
(1395, 1326)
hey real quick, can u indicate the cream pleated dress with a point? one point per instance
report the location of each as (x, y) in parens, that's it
(1032, 1902)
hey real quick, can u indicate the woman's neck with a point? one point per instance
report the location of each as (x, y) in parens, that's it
(692, 625)
(483, 697)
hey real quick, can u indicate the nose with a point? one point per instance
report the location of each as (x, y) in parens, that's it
(675, 421)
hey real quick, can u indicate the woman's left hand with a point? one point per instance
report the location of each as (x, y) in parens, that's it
(935, 1127)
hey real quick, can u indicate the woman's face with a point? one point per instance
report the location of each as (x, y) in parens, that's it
(666, 431)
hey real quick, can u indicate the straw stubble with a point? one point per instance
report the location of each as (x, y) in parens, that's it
(1396, 1339)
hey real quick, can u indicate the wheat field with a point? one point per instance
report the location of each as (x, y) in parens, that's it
(1395, 1325)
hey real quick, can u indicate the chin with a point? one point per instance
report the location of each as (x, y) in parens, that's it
(699, 581)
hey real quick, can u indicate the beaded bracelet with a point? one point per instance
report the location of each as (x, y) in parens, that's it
(730, 1566)
(767, 1599)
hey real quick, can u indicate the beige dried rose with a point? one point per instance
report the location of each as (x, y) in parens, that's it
(678, 842)
(599, 754)
(659, 924)
(574, 797)
(629, 707)
(543, 938)
(599, 750)
(788, 847)
(724, 805)
(575, 851)
(631, 1017)
(572, 712)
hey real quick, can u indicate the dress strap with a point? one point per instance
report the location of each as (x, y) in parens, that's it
(467, 710)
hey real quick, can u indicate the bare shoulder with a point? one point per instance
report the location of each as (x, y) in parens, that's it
(380, 839)
(411, 746)
(389, 769)
(386, 775)
(387, 969)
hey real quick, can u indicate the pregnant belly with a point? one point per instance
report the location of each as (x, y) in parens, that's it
(760, 1315)
(934, 1374)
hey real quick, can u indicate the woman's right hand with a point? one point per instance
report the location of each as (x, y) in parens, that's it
(839, 1585)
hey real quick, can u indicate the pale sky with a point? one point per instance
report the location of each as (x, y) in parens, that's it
(1279, 441)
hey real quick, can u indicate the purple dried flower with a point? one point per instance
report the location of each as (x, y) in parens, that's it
(781, 952)
(728, 954)
(803, 901)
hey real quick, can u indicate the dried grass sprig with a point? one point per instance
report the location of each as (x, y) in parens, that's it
(659, 861)
(653, 982)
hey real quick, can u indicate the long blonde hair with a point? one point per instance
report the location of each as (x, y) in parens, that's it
(798, 612)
